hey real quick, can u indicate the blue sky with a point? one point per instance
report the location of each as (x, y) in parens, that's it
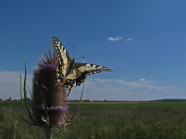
(143, 42)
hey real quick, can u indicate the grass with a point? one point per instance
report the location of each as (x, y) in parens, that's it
(106, 121)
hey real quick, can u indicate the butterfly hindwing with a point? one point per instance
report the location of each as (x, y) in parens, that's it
(91, 68)
(88, 69)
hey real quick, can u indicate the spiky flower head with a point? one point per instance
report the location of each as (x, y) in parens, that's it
(46, 85)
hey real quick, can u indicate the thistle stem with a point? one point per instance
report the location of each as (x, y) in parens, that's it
(47, 132)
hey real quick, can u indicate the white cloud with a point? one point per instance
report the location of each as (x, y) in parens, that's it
(114, 39)
(99, 89)
(132, 85)
(119, 38)
(143, 80)
(129, 39)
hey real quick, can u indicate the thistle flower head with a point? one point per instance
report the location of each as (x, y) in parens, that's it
(46, 85)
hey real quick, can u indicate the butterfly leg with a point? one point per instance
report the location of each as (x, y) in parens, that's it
(69, 91)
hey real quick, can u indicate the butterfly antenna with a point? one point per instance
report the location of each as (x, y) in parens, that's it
(79, 57)
(74, 54)
(73, 51)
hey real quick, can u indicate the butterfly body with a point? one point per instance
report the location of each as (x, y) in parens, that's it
(71, 71)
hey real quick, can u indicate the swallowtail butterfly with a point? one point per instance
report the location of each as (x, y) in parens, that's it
(72, 72)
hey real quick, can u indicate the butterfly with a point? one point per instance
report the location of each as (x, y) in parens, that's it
(69, 72)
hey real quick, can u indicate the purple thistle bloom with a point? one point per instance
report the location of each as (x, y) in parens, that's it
(50, 66)
(54, 93)
(41, 107)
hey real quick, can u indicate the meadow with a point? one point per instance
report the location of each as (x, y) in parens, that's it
(105, 120)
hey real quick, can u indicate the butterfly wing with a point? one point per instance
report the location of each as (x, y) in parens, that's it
(63, 56)
(75, 72)
(64, 67)
(81, 70)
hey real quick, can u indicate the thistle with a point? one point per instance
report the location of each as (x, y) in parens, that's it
(49, 101)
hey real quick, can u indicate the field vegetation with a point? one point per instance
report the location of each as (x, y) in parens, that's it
(165, 120)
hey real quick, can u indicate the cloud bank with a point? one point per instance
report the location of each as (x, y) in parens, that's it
(10, 84)
(98, 89)
(101, 89)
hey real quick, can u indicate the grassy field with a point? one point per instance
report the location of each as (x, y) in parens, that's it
(97, 120)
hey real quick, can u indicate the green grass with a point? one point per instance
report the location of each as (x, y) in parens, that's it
(165, 120)
(161, 104)
(15, 104)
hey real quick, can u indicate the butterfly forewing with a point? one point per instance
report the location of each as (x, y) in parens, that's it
(62, 54)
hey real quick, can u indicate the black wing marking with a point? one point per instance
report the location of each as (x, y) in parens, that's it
(63, 56)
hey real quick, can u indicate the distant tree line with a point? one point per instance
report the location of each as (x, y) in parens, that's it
(158, 100)
(10, 99)
(87, 100)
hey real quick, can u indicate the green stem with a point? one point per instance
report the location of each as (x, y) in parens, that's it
(15, 132)
(47, 132)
